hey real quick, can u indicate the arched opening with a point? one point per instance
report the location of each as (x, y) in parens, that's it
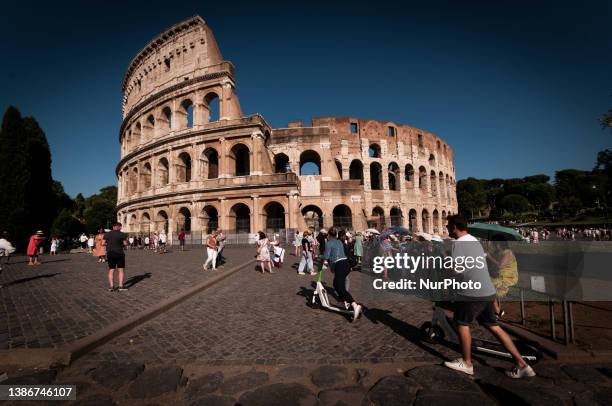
(409, 176)
(275, 217)
(442, 186)
(161, 221)
(146, 176)
(240, 155)
(183, 167)
(356, 170)
(212, 108)
(432, 160)
(393, 171)
(339, 168)
(396, 217)
(210, 164)
(134, 181)
(187, 110)
(376, 180)
(133, 222)
(310, 163)
(127, 141)
(136, 131)
(342, 216)
(162, 172)
(184, 220)
(240, 218)
(145, 223)
(438, 145)
(436, 222)
(443, 225)
(412, 220)
(148, 129)
(448, 192)
(425, 220)
(210, 219)
(166, 118)
(281, 163)
(374, 151)
(378, 218)
(422, 179)
(434, 187)
(313, 217)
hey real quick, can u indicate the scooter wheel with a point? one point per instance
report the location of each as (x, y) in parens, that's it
(431, 334)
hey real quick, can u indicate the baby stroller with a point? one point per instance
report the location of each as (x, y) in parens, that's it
(441, 329)
(321, 294)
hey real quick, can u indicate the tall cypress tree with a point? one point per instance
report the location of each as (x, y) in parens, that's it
(14, 175)
(26, 196)
(39, 196)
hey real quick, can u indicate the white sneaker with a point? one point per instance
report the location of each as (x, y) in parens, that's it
(459, 365)
(518, 373)
(301, 273)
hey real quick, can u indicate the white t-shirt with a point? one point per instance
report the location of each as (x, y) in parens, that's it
(90, 242)
(162, 238)
(469, 246)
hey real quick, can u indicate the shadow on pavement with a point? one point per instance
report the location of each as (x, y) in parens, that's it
(44, 262)
(408, 331)
(135, 279)
(25, 280)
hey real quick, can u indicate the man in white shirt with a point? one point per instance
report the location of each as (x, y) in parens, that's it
(477, 304)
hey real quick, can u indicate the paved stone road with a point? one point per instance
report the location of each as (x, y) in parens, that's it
(252, 340)
(254, 319)
(66, 297)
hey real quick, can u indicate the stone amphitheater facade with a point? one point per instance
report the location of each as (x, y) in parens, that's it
(190, 159)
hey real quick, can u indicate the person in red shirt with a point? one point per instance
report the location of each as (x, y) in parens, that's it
(181, 238)
(32, 250)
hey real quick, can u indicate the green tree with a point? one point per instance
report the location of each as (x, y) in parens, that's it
(471, 197)
(515, 204)
(13, 166)
(66, 225)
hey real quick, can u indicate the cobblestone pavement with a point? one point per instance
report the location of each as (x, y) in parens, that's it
(254, 319)
(66, 297)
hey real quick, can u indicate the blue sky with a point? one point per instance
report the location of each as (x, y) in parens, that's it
(516, 88)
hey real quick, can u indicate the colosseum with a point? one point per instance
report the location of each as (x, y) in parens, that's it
(190, 159)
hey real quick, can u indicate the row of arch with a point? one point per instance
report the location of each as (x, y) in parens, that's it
(342, 216)
(310, 164)
(135, 179)
(164, 119)
(238, 219)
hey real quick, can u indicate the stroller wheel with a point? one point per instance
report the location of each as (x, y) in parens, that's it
(430, 333)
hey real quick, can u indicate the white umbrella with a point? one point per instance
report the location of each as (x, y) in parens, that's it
(372, 231)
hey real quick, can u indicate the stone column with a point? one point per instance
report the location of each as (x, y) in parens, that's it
(223, 218)
(255, 215)
(224, 159)
(257, 141)
(225, 100)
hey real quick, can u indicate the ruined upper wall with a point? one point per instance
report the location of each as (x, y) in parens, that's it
(182, 52)
(339, 129)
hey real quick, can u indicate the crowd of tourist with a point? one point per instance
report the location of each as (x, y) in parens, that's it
(535, 235)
